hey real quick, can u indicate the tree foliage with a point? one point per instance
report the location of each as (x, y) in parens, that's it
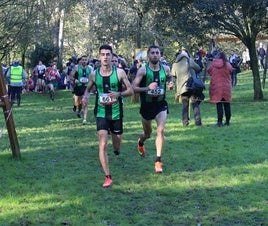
(45, 52)
(240, 18)
(15, 16)
(190, 22)
(77, 27)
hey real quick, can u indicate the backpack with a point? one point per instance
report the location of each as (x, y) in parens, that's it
(195, 86)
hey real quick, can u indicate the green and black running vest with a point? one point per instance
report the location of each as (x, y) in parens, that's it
(16, 74)
(105, 107)
(154, 76)
(83, 73)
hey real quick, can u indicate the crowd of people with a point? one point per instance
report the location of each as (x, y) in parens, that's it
(109, 79)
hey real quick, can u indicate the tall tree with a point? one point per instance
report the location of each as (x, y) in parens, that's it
(240, 18)
(243, 19)
(54, 13)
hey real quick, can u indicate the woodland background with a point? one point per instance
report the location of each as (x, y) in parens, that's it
(47, 30)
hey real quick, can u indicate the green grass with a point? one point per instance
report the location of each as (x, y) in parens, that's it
(212, 176)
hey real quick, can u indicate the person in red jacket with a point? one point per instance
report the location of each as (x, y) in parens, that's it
(220, 90)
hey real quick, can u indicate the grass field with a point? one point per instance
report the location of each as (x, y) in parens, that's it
(212, 176)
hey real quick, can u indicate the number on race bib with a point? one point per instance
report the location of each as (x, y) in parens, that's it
(156, 92)
(105, 99)
(83, 79)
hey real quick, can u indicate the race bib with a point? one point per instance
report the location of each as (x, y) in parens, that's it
(159, 91)
(106, 100)
(83, 80)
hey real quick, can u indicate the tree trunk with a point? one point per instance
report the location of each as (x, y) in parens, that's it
(258, 94)
(139, 25)
(61, 37)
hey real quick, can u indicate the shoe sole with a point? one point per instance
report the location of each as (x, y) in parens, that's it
(107, 186)
(158, 169)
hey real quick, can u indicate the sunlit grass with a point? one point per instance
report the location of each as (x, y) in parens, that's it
(212, 176)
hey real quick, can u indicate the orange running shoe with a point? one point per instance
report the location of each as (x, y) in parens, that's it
(107, 183)
(158, 167)
(141, 149)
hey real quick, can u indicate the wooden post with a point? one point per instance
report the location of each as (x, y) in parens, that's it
(4, 103)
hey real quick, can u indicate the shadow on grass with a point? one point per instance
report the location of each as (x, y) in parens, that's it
(68, 189)
(212, 176)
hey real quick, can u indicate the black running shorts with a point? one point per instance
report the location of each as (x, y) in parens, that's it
(149, 110)
(115, 126)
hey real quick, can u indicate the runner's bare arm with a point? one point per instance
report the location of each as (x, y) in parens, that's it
(136, 82)
(89, 85)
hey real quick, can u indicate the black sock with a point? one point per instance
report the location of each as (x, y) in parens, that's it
(109, 176)
(141, 143)
(158, 159)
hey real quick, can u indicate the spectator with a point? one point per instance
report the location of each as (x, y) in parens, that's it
(214, 51)
(261, 54)
(235, 61)
(182, 69)
(133, 70)
(207, 61)
(201, 51)
(220, 89)
(163, 61)
(246, 59)
(198, 57)
(16, 76)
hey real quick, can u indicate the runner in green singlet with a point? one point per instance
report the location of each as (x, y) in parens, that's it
(109, 82)
(150, 82)
(80, 76)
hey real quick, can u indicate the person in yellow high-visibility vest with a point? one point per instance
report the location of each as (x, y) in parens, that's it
(16, 76)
